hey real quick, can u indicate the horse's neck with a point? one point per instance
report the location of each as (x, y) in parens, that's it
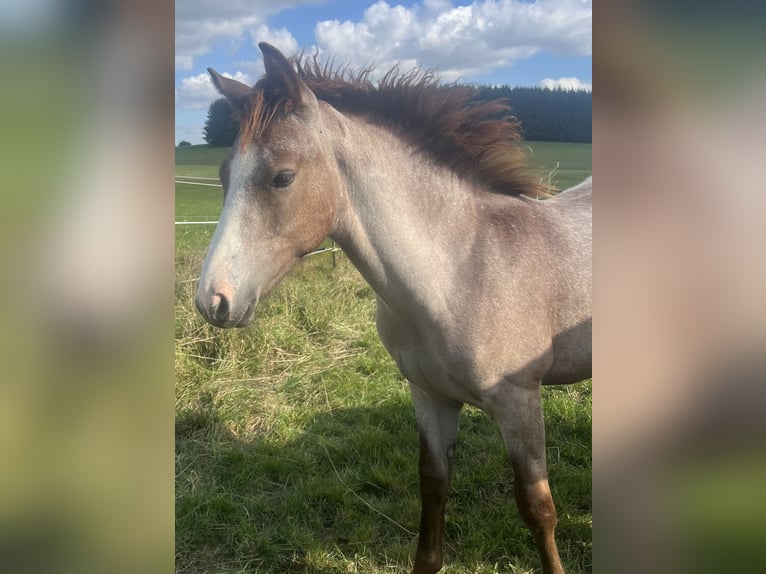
(401, 220)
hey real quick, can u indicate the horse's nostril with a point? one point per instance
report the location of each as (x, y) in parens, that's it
(219, 308)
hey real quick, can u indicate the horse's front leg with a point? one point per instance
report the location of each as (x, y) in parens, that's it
(437, 425)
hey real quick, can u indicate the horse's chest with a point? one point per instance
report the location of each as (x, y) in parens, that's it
(433, 360)
(427, 370)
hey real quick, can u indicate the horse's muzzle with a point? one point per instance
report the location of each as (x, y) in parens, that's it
(217, 309)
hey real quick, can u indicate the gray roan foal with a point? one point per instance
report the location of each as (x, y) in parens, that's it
(483, 291)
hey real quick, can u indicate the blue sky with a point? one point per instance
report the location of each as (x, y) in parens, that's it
(506, 42)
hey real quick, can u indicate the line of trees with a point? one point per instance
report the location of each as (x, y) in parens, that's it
(548, 115)
(220, 126)
(545, 115)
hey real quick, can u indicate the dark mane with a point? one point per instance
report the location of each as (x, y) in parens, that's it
(477, 139)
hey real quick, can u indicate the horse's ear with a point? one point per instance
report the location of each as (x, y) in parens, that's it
(282, 75)
(236, 92)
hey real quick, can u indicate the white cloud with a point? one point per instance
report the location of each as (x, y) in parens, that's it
(459, 41)
(197, 92)
(462, 40)
(202, 23)
(569, 84)
(195, 38)
(281, 39)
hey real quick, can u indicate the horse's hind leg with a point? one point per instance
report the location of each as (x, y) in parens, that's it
(520, 418)
(437, 426)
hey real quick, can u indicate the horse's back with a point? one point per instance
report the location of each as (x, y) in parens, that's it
(581, 190)
(577, 200)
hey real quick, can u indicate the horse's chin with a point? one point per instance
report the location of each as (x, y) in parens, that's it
(237, 322)
(244, 321)
(248, 316)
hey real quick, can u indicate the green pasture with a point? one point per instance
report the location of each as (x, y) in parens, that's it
(296, 444)
(567, 163)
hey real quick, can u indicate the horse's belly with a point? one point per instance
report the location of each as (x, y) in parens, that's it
(430, 372)
(572, 355)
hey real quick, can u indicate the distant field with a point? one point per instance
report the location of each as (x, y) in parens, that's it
(196, 202)
(574, 161)
(296, 443)
(200, 160)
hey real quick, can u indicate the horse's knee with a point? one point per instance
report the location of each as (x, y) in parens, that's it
(434, 471)
(536, 506)
(433, 485)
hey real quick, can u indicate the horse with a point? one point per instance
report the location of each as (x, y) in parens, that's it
(483, 290)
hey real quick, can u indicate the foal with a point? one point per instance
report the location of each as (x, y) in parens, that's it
(483, 294)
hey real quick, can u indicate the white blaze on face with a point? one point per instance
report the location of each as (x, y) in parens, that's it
(227, 269)
(227, 240)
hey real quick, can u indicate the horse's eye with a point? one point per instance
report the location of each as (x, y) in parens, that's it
(283, 179)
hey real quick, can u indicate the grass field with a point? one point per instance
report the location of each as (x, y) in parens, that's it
(296, 444)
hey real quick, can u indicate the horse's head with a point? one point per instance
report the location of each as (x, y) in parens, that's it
(280, 181)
